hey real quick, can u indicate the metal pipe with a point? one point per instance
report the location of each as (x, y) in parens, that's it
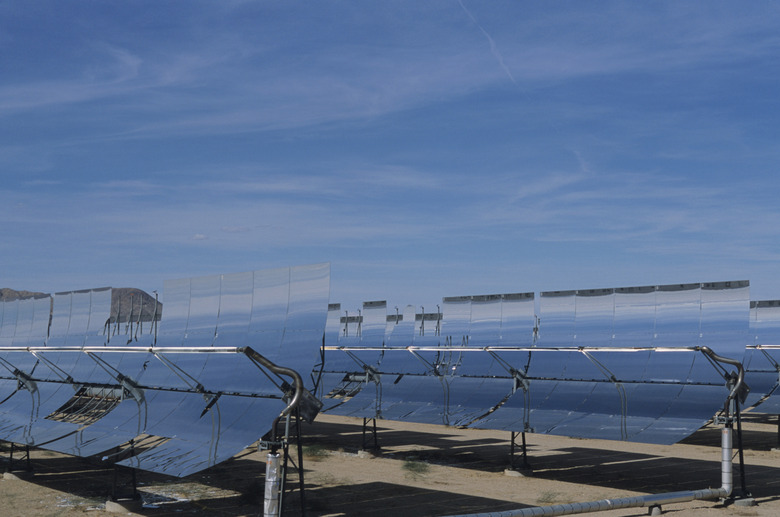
(271, 504)
(609, 504)
(279, 370)
(740, 372)
(726, 475)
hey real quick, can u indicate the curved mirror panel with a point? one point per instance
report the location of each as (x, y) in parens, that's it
(556, 319)
(176, 309)
(594, 313)
(634, 322)
(485, 324)
(456, 319)
(518, 320)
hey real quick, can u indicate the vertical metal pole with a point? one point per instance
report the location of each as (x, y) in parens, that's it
(301, 484)
(513, 445)
(113, 484)
(778, 432)
(282, 475)
(525, 455)
(743, 483)
(365, 427)
(154, 318)
(512, 450)
(727, 455)
(135, 485)
(272, 483)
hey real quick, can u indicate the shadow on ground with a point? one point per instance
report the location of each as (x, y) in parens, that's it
(236, 487)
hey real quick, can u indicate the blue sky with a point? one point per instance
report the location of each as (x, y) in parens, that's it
(424, 149)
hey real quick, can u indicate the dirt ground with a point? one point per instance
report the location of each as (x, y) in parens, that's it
(419, 470)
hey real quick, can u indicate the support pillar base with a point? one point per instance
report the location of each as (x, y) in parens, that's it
(124, 505)
(745, 501)
(22, 475)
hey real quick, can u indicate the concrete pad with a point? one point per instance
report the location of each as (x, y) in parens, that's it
(518, 473)
(124, 505)
(18, 475)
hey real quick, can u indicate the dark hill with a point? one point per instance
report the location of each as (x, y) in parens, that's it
(127, 303)
(9, 295)
(130, 304)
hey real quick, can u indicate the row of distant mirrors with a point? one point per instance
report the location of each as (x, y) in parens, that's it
(618, 363)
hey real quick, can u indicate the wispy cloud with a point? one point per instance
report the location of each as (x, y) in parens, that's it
(491, 41)
(245, 134)
(114, 78)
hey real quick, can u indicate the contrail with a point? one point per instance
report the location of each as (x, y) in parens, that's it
(493, 48)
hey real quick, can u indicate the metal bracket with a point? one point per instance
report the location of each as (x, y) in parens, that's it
(57, 370)
(371, 374)
(188, 379)
(771, 360)
(620, 388)
(520, 379)
(24, 381)
(129, 386)
(428, 364)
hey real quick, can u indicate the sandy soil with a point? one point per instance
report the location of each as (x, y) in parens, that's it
(419, 470)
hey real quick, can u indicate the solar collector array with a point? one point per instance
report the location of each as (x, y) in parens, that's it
(618, 363)
(607, 363)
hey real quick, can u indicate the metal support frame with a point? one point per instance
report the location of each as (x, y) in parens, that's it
(371, 374)
(25, 458)
(28, 381)
(299, 466)
(299, 402)
(373, 433)
(744, 492)
(620, 389)
(778, 431)
(277, 467)
(523, 447)
(730, 415)
(133, 495)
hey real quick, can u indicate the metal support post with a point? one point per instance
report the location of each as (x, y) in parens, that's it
(133, 495)
(373, 432)
(26, 458)
(299, 466)
(743, 485)
(524, 449)
(778, 432)
(131, 498)
(301, 484)
(276, 466)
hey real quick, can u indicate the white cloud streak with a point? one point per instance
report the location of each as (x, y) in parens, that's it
(491, 41)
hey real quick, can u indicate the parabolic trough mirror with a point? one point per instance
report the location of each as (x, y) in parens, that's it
(620, 364)
(202, 373)
(80, 379)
